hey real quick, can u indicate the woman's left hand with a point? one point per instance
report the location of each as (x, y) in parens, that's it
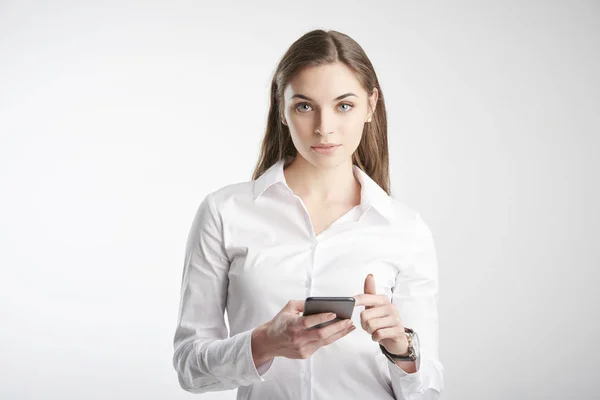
(381, 319)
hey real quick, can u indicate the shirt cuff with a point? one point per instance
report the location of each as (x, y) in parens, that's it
(262, 369)
(231, 359)
(410, 382)
(428, 376)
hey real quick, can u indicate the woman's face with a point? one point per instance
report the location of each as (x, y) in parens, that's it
(327, 98)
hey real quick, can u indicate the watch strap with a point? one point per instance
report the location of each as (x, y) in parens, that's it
(411, 356)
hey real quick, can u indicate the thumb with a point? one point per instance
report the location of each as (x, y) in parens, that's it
(295, 306)
(370, 287)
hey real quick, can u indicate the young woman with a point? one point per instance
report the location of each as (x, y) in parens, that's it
(317, 219)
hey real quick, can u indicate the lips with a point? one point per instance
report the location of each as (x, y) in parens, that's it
(325, 146)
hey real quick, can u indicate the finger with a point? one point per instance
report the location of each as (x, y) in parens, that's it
(369, 287)
(379, 311)
(332, 338)
(386, 333)
(370, 300)
(326, 331)
(373, 324)
(309, 321)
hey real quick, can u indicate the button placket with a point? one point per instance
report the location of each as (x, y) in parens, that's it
(311, 267)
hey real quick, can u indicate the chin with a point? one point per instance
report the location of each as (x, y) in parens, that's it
(328, 161)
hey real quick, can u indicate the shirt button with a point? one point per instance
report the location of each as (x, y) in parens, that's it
(307, 283)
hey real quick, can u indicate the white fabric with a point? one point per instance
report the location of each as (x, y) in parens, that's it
(251, 248)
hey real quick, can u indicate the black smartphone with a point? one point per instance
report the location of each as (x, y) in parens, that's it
(341, 306)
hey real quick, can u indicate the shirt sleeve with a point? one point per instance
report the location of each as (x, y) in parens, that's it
(205, 358)
(416, 296)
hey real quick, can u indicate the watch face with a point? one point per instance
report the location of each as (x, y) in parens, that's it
(415, 343)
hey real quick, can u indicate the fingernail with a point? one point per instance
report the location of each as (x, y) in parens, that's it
(352, 328)
(331, 316)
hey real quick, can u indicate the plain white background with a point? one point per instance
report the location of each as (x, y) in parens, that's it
(117, 118)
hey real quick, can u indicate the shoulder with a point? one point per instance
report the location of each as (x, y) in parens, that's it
(402, 212)
(409, 218)
(230, 194)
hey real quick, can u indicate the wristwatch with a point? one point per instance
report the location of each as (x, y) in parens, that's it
(413, 348)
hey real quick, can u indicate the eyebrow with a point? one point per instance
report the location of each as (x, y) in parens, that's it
(301, 96)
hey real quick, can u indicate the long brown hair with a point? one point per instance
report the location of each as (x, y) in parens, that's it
(319, 47)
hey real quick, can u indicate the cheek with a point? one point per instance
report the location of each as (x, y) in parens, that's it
(300, 123)
(300, 132)
(301, 139)
(353, 132)
(353, 124)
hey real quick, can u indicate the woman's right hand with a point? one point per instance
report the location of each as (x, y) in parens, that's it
(288, 334)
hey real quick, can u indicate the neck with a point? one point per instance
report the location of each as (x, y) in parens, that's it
(332, 185)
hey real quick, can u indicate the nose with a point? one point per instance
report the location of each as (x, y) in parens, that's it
(324, 123)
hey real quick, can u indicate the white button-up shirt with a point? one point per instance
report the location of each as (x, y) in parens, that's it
(252, 248)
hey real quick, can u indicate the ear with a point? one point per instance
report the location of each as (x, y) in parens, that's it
(373, 102)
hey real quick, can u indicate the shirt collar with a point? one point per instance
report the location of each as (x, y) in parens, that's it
(371, 193)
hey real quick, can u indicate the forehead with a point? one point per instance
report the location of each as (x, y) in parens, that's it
(324, 82)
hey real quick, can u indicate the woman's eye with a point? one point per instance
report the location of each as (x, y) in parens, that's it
(350, 106)
(301, 105)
